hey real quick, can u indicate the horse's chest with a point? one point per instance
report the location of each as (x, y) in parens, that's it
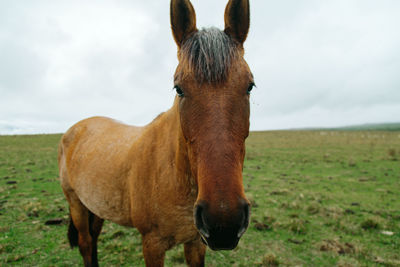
(179, 224)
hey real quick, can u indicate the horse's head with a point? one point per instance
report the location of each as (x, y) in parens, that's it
(213, 83)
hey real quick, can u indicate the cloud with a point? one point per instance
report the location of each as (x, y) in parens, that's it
(333, 57)
(65, 63)
(316, 63)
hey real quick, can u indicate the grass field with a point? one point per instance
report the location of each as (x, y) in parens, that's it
(319, 198)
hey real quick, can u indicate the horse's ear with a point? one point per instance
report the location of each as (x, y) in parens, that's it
(183, 20)
(237, 19)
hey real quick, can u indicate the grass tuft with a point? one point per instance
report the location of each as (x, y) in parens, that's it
(337, 247)
(270, 260)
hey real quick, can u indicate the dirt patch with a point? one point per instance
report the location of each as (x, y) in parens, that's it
(369, 224)
(296, 241)
(367, 179)
(280, 192)
(262, 226)
(56, 221)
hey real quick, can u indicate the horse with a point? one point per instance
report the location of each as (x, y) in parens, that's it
(178, 180)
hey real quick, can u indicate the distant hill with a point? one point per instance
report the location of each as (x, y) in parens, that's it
(393, 126)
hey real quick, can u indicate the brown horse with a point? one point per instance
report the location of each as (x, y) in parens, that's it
(178, 179)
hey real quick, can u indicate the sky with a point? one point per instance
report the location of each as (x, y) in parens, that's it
(315, 63)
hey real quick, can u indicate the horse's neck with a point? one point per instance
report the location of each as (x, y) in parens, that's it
(165, 134)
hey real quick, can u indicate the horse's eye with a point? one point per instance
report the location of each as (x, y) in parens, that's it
(179, 91)
(251, 85)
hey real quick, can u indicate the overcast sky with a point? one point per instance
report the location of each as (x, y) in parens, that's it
(316, 63)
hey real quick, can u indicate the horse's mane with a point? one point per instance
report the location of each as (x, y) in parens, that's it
(209, 54)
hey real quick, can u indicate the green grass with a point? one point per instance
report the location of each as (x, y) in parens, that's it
(391, 126)
(395, 126)
(319, 198)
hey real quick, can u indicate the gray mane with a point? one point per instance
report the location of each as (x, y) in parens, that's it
(209, 54)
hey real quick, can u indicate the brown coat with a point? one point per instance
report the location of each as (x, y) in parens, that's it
(178, 179)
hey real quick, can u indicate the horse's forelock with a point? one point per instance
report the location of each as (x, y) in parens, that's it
(209, 54)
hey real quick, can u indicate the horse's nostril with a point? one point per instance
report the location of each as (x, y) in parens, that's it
(199, 220)
(245, 221)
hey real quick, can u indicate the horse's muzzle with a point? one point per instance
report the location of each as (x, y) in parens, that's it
(221, 231)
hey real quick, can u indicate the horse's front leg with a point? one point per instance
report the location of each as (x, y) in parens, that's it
(154, 249)
(195, 252)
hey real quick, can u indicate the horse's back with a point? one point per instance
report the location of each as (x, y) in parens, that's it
(100, 131)
(93, 162)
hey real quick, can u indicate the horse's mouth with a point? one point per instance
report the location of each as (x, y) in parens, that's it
(217, 244)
